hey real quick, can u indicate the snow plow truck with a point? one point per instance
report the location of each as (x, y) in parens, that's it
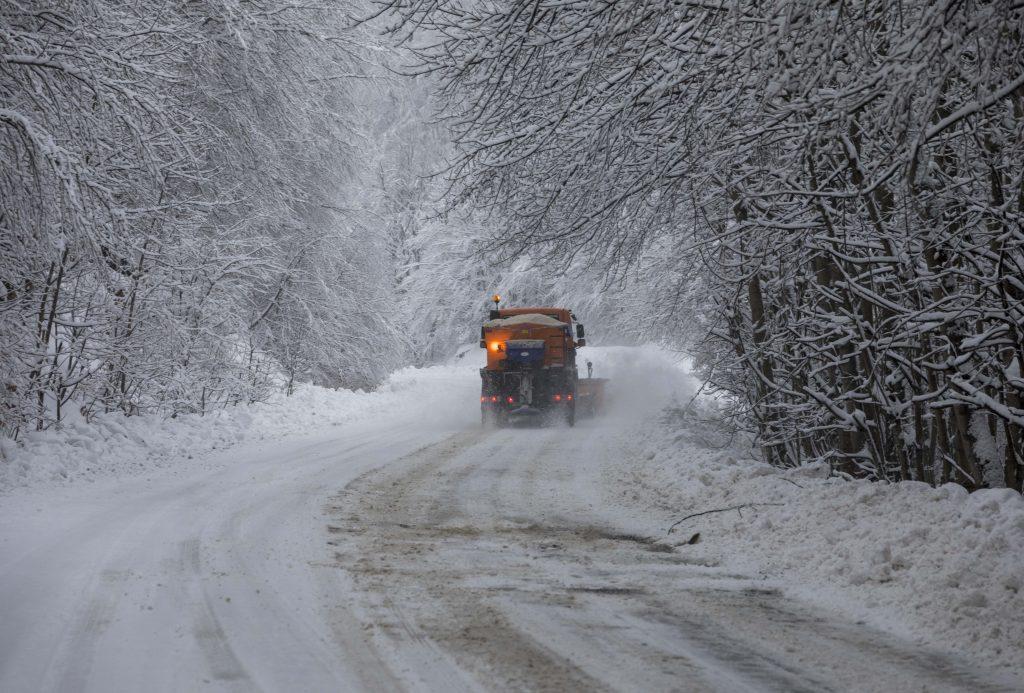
(530, 374)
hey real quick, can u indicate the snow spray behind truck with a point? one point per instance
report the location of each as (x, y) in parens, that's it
(531, 365)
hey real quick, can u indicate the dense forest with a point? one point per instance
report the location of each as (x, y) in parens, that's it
(821, 203)
(824, 200)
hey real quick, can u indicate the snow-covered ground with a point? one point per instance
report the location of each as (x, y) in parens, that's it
(362, 540)
(936, 565)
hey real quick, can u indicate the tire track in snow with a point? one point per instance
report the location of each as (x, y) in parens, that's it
(224, 664)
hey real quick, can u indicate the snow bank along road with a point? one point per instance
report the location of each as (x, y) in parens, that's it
(391, 555)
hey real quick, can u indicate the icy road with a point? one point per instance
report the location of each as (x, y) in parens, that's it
(392, 555)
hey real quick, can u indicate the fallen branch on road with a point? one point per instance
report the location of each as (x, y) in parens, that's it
(717, 510)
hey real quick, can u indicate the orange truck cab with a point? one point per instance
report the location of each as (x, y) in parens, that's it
(531, 365)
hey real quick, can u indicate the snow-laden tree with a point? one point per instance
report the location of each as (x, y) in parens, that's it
(843, 184)
(183, 222)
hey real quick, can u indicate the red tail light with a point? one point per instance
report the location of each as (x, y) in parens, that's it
(483, 399)
(494, 398)
(569, 397)
(558, 398)
(511, 400)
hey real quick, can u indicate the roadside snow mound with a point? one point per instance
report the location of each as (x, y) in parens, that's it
(939, 565)
(115, 445)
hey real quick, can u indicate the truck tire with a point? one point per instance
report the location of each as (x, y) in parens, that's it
(570, 416)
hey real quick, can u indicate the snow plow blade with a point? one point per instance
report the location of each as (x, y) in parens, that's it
(590, 395)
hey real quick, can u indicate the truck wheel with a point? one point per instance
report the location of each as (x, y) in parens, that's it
(570, 416)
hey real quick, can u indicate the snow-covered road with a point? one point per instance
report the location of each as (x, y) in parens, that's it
(507, 561)
(176, 584)
(395, 555)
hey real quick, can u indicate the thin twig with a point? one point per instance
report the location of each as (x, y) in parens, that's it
(718, 510)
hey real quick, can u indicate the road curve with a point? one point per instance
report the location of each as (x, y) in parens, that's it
(391, 556)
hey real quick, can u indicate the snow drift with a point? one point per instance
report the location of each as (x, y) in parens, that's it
(114, 445)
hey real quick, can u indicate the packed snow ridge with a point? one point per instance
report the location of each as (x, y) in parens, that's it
(939, 565)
